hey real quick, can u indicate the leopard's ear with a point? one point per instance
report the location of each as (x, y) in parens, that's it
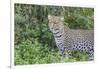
(49, 17)
(62, 18)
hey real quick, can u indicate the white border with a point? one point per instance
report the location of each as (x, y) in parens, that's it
(12, 35)
(72, 3)
(4, 34)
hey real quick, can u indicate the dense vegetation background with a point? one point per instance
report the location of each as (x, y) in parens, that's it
(34, 43)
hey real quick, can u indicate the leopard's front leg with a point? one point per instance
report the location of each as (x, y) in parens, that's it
(62, 51)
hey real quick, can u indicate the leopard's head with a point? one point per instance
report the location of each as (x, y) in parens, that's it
(55, 22)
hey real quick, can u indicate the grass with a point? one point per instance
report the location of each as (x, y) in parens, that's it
(35, 53)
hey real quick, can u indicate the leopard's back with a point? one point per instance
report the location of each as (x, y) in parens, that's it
(81, 40)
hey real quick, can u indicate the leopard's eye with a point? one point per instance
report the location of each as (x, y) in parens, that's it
(50, 21)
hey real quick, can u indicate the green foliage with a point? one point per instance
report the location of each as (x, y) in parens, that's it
(79, 18)
(34, 53)
(34, 43)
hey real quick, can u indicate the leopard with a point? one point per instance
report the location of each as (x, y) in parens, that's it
(68, 40)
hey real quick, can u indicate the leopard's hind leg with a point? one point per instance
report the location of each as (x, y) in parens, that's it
(91, 55)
